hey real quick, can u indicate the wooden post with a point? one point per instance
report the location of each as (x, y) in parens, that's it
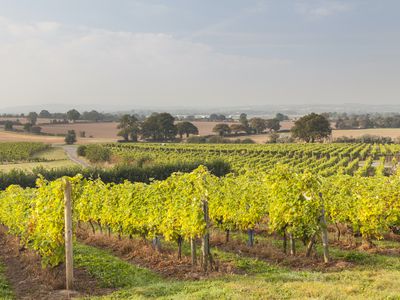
(310, 246)
(180, 241)
(284, 241)
(157, 243)
(69, 269)
(193, 251)
(324, 230)
(205, 242)
(250, 241)
(292, 245)
(227, 236)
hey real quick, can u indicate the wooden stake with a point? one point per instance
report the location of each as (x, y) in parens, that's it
(193, 251)
(292, 245)
(69, 269)
(205, 242)
(324, 229)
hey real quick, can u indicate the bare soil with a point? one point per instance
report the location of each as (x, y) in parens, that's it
(269, 253)
(30, 281)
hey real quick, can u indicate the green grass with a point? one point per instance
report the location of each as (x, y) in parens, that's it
(53, 153)
(374, 276)
(5, 291)
(32, 165)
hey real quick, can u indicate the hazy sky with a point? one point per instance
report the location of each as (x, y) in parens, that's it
(199, 53)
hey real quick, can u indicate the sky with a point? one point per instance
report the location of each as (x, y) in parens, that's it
(204, 53)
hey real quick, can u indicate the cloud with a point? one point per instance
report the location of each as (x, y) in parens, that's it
(50, 62)
(321, 9)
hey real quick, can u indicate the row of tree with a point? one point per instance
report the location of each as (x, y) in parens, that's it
(72, 115)
(361, 121)
(156, 127)
(252, 126)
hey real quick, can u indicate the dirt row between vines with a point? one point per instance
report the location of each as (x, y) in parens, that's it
(165, 263)
(29, 280)
(141, 253)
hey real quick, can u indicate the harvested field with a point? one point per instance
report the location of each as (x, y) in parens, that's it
(108, 130)
(100, 130)
(8, 136)
(386, 132)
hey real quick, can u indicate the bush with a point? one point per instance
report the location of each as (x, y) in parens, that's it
(81, 151)
(97, 153)
(216, 139)
(8, 125)
(247, 141)
(70, 138)
(36, 129)
(196, 139)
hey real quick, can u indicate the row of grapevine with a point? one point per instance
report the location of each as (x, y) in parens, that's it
(319, 158)
(20, 151)
(283, 200)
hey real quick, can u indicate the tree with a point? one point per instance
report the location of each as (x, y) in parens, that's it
(273, 138)
(150, 127)
(222, 129)
(236, 128)
(8, 125)
(45, 114)
(92, 115)
(311, 128)
(245, 122)
(258, 124)
(159, 126)
(186, 128)
(27, 127)
(166, 126)
(73, 115)
(281, 117)
(32, 118)
(36, 129)
(273, 124)
(216, 117)
(70, 138)
(129, 127)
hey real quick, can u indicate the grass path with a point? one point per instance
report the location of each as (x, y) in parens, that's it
(373, 277)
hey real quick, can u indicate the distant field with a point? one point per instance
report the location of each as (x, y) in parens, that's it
(108, 130)
(7, 136)
(389, 132)
(386, 132)
(25, 120)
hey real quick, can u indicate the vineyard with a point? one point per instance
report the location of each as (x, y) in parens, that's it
(22, 151)
(305, 199)
(324, 159)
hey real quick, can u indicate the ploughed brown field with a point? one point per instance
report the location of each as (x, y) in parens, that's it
(109, 130)
(6, 136)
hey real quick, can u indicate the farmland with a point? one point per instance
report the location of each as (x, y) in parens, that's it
(263, 224)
